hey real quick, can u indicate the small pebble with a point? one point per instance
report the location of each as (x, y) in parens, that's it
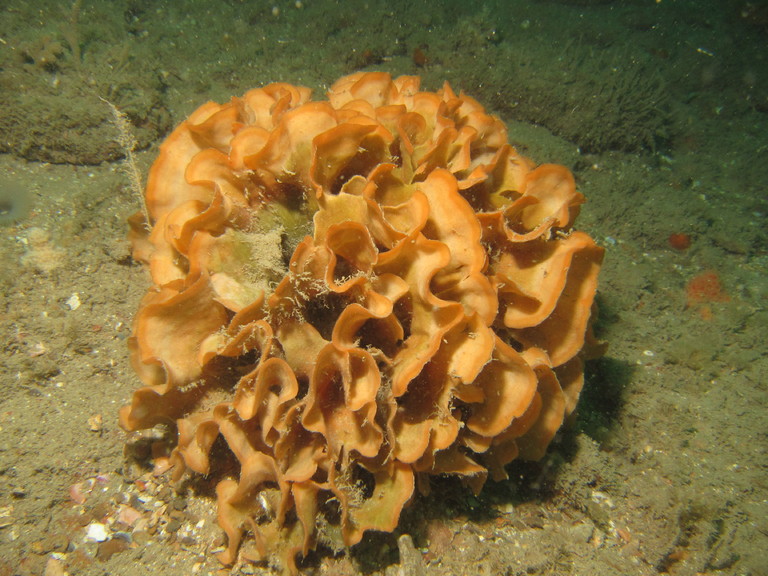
(40, 547)
(128, 515)
(54, 567)
(73, 302)
(506, 508)
(77, 493)
(83, 520)
(95, 423)
(110, 548)
(187, 541)
(141, 537)
(97, 532)
(58, 542)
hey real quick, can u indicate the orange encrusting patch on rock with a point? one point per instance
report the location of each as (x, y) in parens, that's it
(703, 290)
(354, 295)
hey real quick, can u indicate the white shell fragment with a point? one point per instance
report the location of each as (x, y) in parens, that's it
(73, 302)
(97, 532)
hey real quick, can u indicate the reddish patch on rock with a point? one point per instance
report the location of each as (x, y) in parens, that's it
(680, 241)
(702, 290)
(705, 288)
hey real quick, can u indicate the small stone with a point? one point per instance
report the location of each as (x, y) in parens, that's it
(128, 515)
(73, 302)
(88, 549)
(58, 542)
(440, 537)
(95, 423)
(6, 516)
(110, 548)
(598, 515)
(187, 541)
(583, 531)
(102, 510)
(173, 526)
(77, 493)
(141, 537)
(97, 532)
(82, 520)
(54, 567)
(411, 562)
(39, 547)
(518, 524)
(193, 519)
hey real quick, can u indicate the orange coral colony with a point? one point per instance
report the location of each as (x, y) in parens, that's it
(350, 296)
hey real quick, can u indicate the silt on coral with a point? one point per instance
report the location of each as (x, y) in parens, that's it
(355, 295)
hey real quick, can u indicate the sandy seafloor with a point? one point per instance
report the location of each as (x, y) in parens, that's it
(660, 108)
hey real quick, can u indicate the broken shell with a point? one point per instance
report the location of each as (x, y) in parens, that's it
(95, 423)
(73, 302)
(97, 532)
(128, 515)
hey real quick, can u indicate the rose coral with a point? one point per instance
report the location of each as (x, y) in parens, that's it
(354, 294)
